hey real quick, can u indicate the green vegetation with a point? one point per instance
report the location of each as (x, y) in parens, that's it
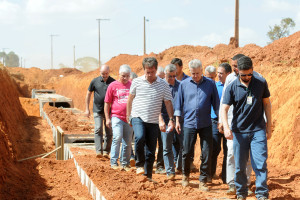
(283, 30)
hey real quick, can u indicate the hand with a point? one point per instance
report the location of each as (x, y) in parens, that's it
(172, 125)
(87, 113)
(221, 128)
(269, 131)
(178, 128)
(228, 134)
(162, 126)
(108, 123)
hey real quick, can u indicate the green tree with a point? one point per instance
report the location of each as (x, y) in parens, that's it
(282, 30)
(86, 64)
(10, 60)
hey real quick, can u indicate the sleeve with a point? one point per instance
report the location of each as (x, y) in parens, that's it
(266, 93)
(92, 86)
(167, 93)
(228, 96)
(215, 99)
(133, 86)
(109, 94)
(179, 101)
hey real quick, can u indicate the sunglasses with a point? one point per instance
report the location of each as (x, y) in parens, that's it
(244, 75)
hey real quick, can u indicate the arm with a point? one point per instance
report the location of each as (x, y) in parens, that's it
(162, 124)
(107, 107)
(129, 107)
(169, 107)
(267, 108)
(178, 126)
(227, 132)
(87, 103)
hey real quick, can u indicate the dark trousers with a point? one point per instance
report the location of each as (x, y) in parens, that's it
(145, 144)
(190, 137)
(160, 153)
(217, 139)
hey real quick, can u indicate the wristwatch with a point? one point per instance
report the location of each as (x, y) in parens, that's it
(172, 119)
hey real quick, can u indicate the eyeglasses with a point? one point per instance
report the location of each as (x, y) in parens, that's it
(244, 75)
(174, 76)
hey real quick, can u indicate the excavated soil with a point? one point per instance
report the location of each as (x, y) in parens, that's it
(23, 133)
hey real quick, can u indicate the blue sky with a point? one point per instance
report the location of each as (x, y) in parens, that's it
(26, 26)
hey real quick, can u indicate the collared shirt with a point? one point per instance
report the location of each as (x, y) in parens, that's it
(220, 87)
(248, 115)
(174, 92)
(148, 97)
(195, 101)
(184, 77)
(99, 87)
(230, 78)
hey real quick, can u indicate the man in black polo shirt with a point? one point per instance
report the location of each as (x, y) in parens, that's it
(99, 86)
(249, 96)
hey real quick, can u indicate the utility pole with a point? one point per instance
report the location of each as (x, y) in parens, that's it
(236, 25)
(99, 37)
(145, 20)
(52, 50)
(3, 61)
(21, 62)
(74, 57)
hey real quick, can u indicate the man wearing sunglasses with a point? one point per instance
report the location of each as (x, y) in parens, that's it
(249, 96)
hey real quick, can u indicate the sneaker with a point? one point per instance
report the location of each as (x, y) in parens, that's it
(105, 155)
(263, 198)
(185, 181)
(231, 190)
(171, 177)
(99, 155)
(151, 180)
(192, 167)
(203, 187)
(140, 170)
(115, 167)
(132, 162)
(209, 180)
(240, 198)
(160, 171)
(126, 168)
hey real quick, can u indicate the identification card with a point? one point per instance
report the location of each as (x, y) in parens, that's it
(249, 100)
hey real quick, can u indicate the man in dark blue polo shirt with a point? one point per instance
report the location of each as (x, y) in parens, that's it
(249, 96)
(196, 95)
(99, 86)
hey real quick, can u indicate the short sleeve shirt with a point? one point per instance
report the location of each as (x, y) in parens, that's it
(117, 94)
(247, 117)
(148, 97)
(99, 87)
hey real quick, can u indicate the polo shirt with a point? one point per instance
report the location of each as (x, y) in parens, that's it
(99, 87)
(247, 118)
(148, 97)
(184, 77)
(194, 102)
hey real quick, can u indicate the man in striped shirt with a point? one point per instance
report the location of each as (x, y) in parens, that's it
(143, 107)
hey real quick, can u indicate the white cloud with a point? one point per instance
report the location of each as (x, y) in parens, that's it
(9, 12)
(173, 23)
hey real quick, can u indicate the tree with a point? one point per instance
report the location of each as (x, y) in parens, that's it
(282, 30)
(86, 64)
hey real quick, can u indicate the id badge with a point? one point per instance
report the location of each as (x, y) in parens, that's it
(249, 100)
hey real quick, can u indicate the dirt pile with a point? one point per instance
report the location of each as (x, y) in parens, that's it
(68, 121)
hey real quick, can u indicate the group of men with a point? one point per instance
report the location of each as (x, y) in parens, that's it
(175, 109)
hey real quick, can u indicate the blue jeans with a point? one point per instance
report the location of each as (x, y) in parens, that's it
(167, 141)
(99, 145)
(256, 142)
(122, 132)
(217, 138)
(190, 137)
(145, 140)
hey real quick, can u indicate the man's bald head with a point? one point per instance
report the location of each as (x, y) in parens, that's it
(104, 72)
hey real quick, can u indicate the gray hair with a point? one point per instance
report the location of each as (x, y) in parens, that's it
(210, 69)
(160, 69)
(133, 75)
(170, 68)
(195, 64)
(150, 62)
(124, 69)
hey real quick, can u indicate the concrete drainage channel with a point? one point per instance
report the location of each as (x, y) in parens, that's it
(64, 142)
